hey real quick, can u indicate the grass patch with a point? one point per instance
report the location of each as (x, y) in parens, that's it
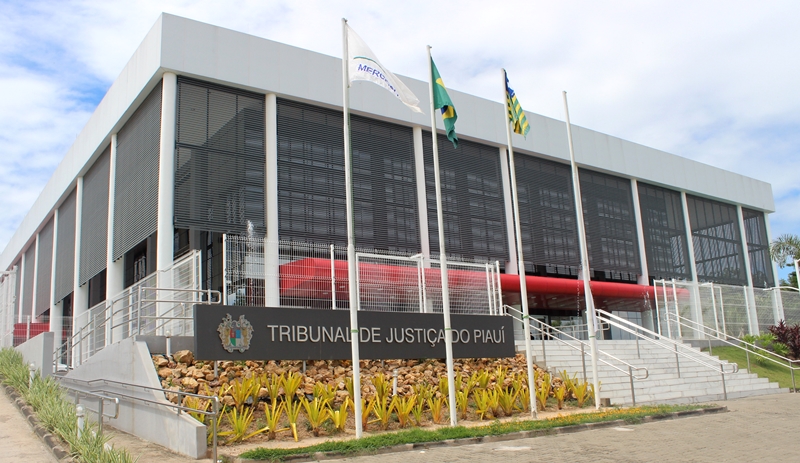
(417, 435)
(770, 370)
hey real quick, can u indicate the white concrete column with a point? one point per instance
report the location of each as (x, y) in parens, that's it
(35, 277)
(272, 281)
(166, 174)
(751, 296)
(80, 294)
(21, 279)
(56, 310)
(697, 310)
(115, 269)
(644, 278)
(422, 194)
(777, 300)
(512, 266)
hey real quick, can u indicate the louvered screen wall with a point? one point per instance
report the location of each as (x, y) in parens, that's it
(220, 159)
(384, 185)
(717, 242)
(664, 233)
(44, 269)
(610, 225)
(136, 179)
(94, 218)
(547, 216)
(65, 248)
(758, 248)
(311, 179)
(27, 283)
(472, 200)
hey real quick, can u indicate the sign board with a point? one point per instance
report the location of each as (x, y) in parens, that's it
(266, 333)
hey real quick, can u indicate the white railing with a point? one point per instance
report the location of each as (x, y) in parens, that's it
(733, 310)
(290, 274)
(145, 308)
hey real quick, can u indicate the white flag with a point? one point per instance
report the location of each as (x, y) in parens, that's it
(364, 65)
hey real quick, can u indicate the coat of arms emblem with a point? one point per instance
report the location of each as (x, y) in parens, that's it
(235, 334)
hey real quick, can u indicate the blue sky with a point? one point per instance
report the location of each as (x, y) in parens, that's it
(708, 80)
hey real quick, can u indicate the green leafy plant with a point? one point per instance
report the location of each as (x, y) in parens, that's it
(240, 422)
(339, 416)
(462, 403)
(197, 403)
(367, 408)
(317, 412)
(481, 398)
(383, 412)
(437, 405)
(292, 408)
(272, 384)
(382, 386)
(272, 416)
(581, 391)
(543, 391)
(290, 383)
(325, 392)
(418, 409)
(560, 393)
(403, 407)
(506, 398)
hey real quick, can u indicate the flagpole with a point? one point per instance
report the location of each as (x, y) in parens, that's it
(591, 320)
(523, 286)
(448, 340)
(352, 288)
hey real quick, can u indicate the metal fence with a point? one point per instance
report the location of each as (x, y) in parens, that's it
(734, 310)
(291, 274)
(159, 304)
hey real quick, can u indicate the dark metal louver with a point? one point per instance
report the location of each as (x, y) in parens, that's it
(717, 241)
(472, 200)
(664, 233)
(136, 176)
(755, 228)
(311, 187)
(45, 269)
(94, 218)
(65, 248)
(220, 159)
(547, 216)
(27, 283)
(610, 225)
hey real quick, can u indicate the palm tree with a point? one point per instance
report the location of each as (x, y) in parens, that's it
(785, 250)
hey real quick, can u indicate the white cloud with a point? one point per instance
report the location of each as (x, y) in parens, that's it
(712, 82)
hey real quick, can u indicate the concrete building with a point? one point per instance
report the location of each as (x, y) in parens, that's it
(209, 131)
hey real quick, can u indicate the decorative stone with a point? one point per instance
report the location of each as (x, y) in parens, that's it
(183, 356)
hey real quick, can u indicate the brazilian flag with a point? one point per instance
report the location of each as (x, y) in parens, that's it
(441, 100)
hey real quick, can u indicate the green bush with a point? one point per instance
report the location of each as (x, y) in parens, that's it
(57, 413)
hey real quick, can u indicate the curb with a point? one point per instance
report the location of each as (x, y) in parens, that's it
(52, 442)
(303, 457)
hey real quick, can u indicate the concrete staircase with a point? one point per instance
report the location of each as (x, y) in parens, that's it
(697, 382)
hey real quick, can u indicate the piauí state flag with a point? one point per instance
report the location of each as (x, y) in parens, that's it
(441, 100)
(516, 116)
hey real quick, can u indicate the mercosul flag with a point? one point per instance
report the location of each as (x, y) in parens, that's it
(364, 65)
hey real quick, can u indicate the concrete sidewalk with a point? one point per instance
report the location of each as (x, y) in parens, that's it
(755, 429)
(17, 440)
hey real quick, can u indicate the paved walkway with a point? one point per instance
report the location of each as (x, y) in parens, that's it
(17, 440)
(755, 429)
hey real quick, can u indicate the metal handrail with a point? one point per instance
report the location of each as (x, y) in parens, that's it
(655, 338)
(708, 331)
(583, 344)
(214, 413)
(101, 397)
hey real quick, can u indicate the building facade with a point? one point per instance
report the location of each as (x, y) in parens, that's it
(210, 132)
